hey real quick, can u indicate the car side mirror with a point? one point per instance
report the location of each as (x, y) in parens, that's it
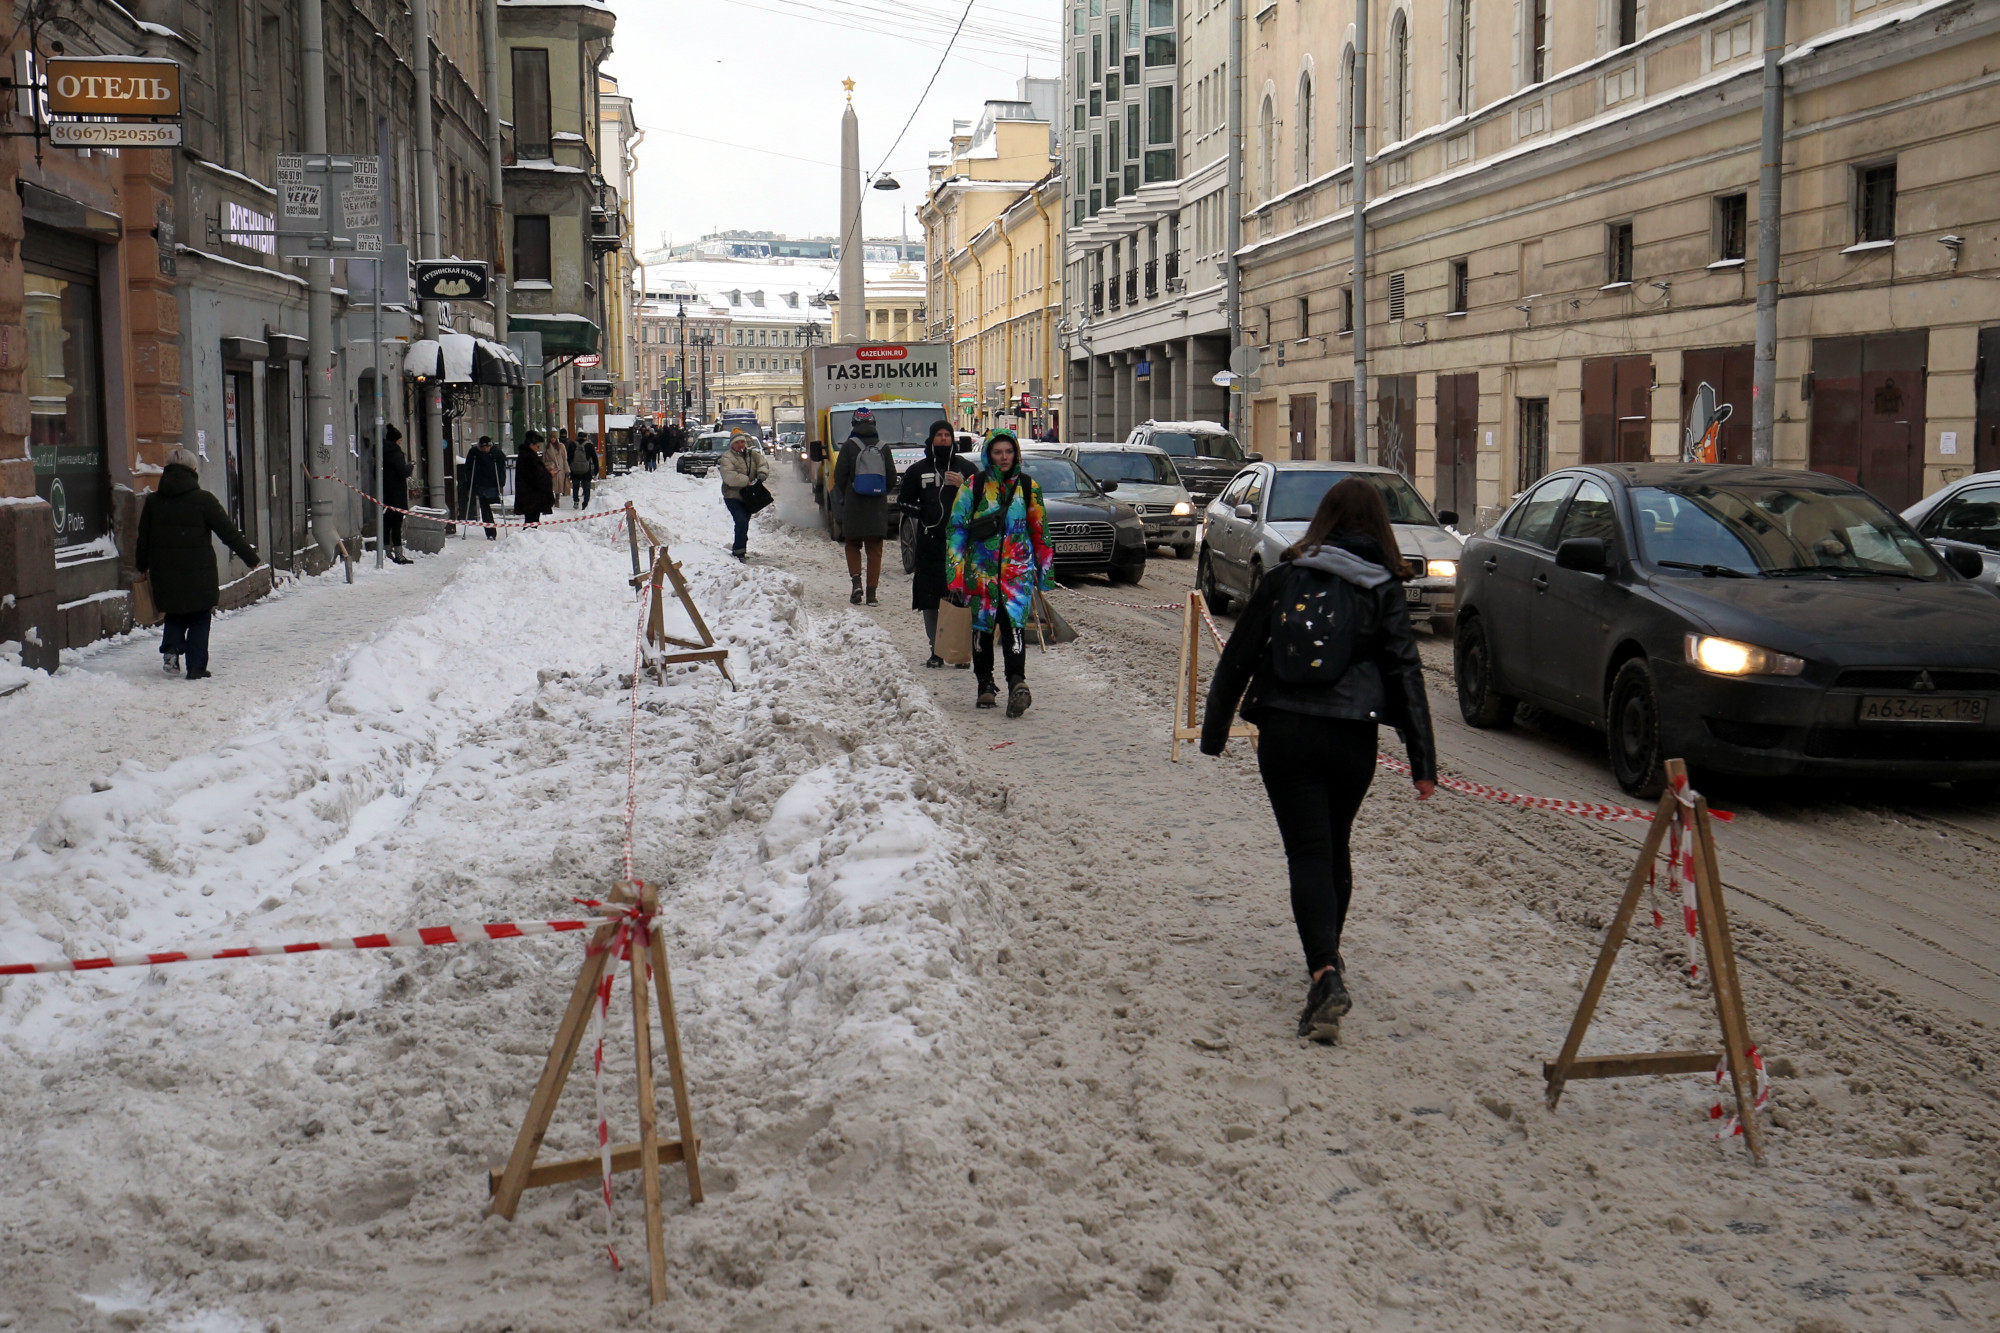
(1253, 458)
(1448, 517)
(1107, 486)
(1245, 511)
(1584, 554)
(1966, 562)
(816, 452)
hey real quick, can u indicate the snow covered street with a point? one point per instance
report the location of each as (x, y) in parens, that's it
(975, 1035)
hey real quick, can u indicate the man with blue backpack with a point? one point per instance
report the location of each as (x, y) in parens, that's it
(864, 475)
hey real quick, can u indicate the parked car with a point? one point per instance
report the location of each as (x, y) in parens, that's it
(700, 457)
(1747, 620)
(1147, 481)
(1090, 532)
(1204, 453)
(1266, 508)
(967, 462)
(1965, 513)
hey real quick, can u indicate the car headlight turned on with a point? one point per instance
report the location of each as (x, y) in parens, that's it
(1441, 569)
(1183, 509)
(1727, 657)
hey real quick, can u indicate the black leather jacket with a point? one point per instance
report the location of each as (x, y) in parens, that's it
(1385, 684)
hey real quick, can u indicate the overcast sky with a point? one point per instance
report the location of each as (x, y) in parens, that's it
(763, 77)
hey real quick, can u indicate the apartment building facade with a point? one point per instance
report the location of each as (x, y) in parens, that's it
(1146, 157)
(1563, 205)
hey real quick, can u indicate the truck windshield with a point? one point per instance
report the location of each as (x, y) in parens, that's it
(1129, 465)
(1197, 444)
(896, 425)
(1295, 495)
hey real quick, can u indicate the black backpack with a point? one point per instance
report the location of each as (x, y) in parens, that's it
(1320, 627)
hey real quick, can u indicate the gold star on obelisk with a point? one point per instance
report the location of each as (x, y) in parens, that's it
(849, 85)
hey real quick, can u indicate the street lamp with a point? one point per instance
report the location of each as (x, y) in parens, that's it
(702, 342)
(681, 393)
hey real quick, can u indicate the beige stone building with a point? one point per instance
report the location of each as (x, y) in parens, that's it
(993, 227)
(1563, 222)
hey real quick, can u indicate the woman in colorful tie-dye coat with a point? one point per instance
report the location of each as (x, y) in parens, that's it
(999, 576)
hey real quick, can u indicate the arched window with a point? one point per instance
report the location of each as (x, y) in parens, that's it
(1267, 148)
(1302, 131)
(1343, 148)
(1396, 115)
(1458, 56)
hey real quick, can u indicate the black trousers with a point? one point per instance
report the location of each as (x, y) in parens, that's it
(1316, 771)
(392, 529)
(579, 487)
(486, 503)
(1013, 650)
(186, 633)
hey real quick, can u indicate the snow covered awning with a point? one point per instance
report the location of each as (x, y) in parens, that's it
(460, 358)
(562, 335)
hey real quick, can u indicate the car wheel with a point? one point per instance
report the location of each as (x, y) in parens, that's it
(1442, 626)
(1632, 731)
(1128, 574)
(1480, 702)
(1256, 575)
(1185, 551)
(1217, 599)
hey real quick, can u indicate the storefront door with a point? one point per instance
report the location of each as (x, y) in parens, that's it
(65, 384)
(238, 439)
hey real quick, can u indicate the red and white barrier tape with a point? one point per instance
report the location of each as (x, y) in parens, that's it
(1732, 1123)
(459, 933)
(475, 522)
(1130, 606)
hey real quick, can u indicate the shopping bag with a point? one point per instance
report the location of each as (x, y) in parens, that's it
(144, 612)
(954, 634)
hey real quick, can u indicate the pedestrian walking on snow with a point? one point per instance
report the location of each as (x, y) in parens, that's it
(582, 468)
(176, 554)
(555, 457)
(996, 560)
(863, 476)
(743, 465)
(485, 479)
(1321, 655)
(927, 494)
(534, 492)
(396, 471)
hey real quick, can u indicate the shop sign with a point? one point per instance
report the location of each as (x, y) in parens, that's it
(113, 86)
(451, 280)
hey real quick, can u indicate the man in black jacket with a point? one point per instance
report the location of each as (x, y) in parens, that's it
(176, 554)
(396, 471)
(928, 491)
(485, 479)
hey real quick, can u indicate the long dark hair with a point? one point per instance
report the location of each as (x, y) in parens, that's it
(1352, 505)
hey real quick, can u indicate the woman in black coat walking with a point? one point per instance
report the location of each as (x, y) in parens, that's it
(1321, 654)
(534, 489)
(929, 490)
(175, 552)
(396, 471)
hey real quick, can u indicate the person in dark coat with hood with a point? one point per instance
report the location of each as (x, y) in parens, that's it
(175, 552)
(1316, 735)
(396, 469)
(485, 480)
(863, 476)
(927, 494)
(534, 489)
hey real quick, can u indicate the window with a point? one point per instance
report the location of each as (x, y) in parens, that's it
(1302, 132)
(1160, 13)
(1132, 69)
(1589, 516)
(1076, 122)
(1458, 65)
(1347, 310)
(1111, 190)
(1732, 225)
(1532, 447)
(1730, 43)
(1096, 103)
(1343, 147)
(531, 248)
(1267, 149)
(1628, 21)
(1618, 253)
(1096, 57)
(1305, 318)
(1160, 117)
(1096, 162)
(1398, 110)
(1112, 41)
(531, 101)
(1132, 131)
(1112, 92)
(1461, 287)
(1538, 41)
(1159, 50)
(1397, 289)
(1534, 519)
(1876, 195)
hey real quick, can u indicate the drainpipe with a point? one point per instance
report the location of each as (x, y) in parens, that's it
(496, 192)
(1770, 200)
(1358, 159)
(319, 301)
(427, 242)
(1234, 227)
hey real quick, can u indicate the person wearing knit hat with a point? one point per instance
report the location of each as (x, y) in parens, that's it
(927, 494)
(863, 477)
(742, 466)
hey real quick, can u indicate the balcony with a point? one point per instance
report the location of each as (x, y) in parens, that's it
(1173, 268)
(1152, 278)
(606, 229)
(1132, 287)
(1097, 298)
(1113, 284)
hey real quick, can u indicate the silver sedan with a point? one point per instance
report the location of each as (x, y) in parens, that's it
(1965, 513)
(1266, 507)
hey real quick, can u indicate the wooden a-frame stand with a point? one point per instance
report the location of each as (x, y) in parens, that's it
(1187, 685)
(650, 1152)
(665, 571)
(1713, 923)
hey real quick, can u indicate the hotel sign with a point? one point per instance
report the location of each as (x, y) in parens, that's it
(113, 86)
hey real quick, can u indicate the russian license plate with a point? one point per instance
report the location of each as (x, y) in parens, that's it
(1920, 708)
(1079, 548)
(1412, 593)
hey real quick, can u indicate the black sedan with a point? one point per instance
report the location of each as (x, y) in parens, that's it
(1090, 532)
(1748, 620)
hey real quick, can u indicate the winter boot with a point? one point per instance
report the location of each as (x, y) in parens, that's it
(989, 694)
(1018, 698)
(855, 596)
(170, 663)
(1326, 1003)
(871, 598)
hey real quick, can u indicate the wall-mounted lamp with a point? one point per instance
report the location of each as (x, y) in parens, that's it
(1955, 244)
